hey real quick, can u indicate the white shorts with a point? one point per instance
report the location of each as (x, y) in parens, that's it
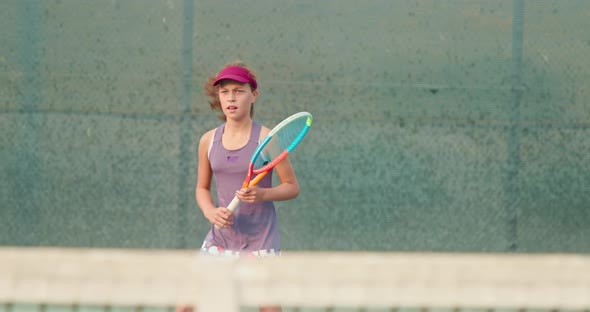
(220, 251)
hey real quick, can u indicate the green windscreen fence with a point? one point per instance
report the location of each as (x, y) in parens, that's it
(438, 125)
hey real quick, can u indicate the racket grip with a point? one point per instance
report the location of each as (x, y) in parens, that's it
(234, 204)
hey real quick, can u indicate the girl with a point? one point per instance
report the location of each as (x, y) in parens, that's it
(224, 154)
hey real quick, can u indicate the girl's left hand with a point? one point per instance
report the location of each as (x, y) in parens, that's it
(250, 194)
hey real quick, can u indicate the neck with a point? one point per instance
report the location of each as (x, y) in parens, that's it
(237, 126)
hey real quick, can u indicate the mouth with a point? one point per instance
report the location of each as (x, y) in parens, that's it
(232, 108)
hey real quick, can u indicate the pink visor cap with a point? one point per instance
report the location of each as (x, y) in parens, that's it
(236, 73)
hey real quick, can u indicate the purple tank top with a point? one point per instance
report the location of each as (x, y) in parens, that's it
(255, 225)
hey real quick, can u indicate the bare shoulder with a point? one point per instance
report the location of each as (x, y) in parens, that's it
(207, 137)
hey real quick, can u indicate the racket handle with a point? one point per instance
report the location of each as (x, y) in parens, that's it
(234, 204)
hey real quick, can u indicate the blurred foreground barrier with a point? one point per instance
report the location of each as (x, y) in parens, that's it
(165, 278)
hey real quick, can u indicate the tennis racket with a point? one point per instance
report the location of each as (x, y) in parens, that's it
(276, 146)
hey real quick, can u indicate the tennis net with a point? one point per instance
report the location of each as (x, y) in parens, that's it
(93, 280)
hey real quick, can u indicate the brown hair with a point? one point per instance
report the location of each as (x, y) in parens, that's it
(212, 92)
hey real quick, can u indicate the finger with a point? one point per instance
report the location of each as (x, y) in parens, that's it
(220, 218)
(223, 224)
(225, 213)
(224, 217)
(226, 224)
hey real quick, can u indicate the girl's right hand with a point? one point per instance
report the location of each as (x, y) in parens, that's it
(221, 217)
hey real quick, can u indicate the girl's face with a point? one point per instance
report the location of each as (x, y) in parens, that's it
(236, 99)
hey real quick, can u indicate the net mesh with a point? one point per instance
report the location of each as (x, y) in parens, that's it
(156, 280)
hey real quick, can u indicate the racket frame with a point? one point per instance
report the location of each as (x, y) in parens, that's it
(264, 170)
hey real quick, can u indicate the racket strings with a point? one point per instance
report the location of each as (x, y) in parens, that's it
(286, 138)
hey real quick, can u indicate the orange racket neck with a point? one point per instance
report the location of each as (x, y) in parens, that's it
(258, 178)
(248, 176)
